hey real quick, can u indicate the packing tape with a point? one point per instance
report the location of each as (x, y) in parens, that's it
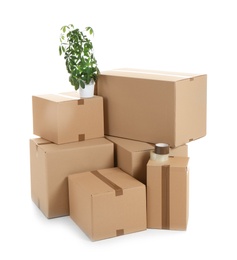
(81, 137)
(119, 232)
(165, 201)
(80, 102)
(162, 148)
(156, 73)
(118, 190)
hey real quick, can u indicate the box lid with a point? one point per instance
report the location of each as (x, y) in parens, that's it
(130, 145)
(111, 180)
(48, 146)
(41, 141)
(62, 97)
(150, 74)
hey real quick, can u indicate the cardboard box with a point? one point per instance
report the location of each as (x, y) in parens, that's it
(52, 163)
(132, 156)
(64, 118)
(154, 106)
(107, 203)
(167, 194)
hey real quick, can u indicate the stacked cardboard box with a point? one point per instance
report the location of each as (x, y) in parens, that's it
(64, 118)
(92, 158)
(154, 106)
(132, 156)
(51, 164)
(107, 203)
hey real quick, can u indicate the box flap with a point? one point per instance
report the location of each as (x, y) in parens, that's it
(150, 74)
(130, 145)
(61, 97)
(48, 146)
(90, 183)
(111, 180)
(41, 141)
(122, 179)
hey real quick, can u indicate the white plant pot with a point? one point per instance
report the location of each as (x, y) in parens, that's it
(88, 91)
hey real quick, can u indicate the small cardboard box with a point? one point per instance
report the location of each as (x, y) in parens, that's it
(52, 163)
(167, 194)
(154, 106)
(132, 156)
(64, 118)
(107, 203)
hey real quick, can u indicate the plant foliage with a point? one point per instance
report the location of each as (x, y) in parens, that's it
(78, 53)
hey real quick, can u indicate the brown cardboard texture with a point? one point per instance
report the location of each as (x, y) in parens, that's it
(167, 194)
(52, 163)
(107, 203)
(154, 106)
(132, 156)
(63, 118)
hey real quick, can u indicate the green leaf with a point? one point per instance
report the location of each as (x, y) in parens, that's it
(90, 30)
(82, 83)
(74, 82)
(60, 50)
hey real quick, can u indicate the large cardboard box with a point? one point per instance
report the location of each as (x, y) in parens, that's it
(132, 156)
(64, 118)
(167, 194)
(154, 106)
(107, 203)
(51, 164)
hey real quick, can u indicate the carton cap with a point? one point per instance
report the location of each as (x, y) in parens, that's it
(162, 148)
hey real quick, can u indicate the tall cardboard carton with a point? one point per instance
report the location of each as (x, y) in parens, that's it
(51, 164)
(63, 118)
(154, 106)
(167, 194)
(132, 156)
(107, 203)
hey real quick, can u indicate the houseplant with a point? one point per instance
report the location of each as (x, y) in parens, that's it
(80, 60)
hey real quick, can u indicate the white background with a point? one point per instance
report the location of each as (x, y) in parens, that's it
(182, 36)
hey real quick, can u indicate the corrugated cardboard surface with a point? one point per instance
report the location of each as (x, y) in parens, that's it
(177, 197)
(132, 156)
(51, 164)
(101, 212)
(64, 118)
(154, 106)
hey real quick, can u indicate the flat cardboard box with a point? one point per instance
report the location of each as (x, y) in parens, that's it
(154, 106)
(107, 203)
(132, 156)
(52, 163)
(167, 194)
(64, 118)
